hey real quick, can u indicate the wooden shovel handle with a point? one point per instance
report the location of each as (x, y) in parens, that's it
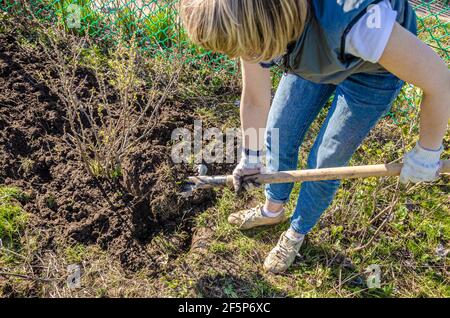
(386, 170)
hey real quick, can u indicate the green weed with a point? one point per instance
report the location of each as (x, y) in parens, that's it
(12, 217)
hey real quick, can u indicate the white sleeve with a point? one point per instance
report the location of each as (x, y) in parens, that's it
(369, 36)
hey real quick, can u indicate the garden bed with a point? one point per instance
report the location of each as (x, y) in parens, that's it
(65, 199)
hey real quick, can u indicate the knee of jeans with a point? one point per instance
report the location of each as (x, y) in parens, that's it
(285, 160)
(327, 156)
(322, 190)
(281, 157)
(331, 161)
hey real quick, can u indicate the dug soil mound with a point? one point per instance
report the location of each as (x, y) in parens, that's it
(69, 205)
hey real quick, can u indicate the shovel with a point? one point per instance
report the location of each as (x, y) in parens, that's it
(386, 170)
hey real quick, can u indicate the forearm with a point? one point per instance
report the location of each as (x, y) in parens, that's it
(254, 120)
(434, 116)
(255, 104)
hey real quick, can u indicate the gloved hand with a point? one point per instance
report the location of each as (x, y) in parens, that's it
(250, 165)
(421, 165)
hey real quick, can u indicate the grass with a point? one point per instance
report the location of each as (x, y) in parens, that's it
(12, 217)
(13, 224)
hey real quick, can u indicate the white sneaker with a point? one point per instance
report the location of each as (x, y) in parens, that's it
(283, 255)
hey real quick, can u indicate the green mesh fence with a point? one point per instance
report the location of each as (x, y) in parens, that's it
(154, 24)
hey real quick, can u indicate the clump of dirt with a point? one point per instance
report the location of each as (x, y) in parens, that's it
(65, 200)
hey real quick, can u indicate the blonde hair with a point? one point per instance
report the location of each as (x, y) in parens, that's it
(256, 30)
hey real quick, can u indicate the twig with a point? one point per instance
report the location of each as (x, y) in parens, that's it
(46, 280)
(2, 248)
(390, 209)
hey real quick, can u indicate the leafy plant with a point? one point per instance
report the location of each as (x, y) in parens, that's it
(12, 218)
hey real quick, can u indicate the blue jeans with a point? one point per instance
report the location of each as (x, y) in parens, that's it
(360, 101)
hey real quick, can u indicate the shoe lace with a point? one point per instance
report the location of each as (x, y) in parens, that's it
(251, 215)
(283, 251)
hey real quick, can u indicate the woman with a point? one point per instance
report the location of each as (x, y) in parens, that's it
(361, 51)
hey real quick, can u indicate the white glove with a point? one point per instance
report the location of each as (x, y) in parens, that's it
(421, 165)
(250, 165)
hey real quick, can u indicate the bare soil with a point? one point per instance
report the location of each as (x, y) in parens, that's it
(67, 204)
